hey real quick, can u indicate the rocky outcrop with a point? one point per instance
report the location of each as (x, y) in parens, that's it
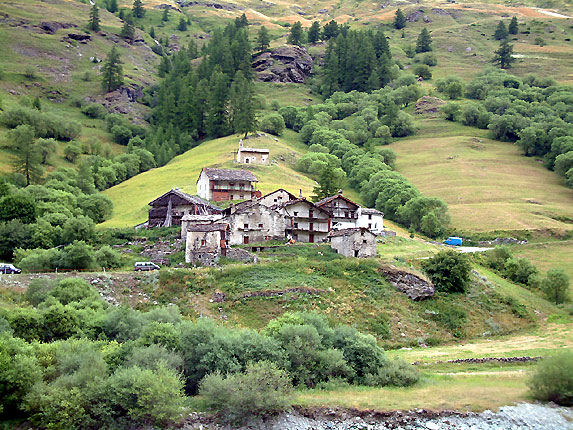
(416, 287)
(221, 6)
(78, 37)
(53, 26)
(428, 104)
(290, 64)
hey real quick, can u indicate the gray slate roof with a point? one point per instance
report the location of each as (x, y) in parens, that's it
(229, 175)
(194, 200)
(348, 231)
(202, 228)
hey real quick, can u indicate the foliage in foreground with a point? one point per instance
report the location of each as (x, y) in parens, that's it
(553, 379)
(449, 271)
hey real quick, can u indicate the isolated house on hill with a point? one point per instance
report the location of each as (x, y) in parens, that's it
(343, 211)
(308, 223)
(252, 155)
(353, 242)
(226, 184)
(205, 241)
(168, 209)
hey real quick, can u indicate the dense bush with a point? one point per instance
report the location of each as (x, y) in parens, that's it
(44, 124)
(519, 270)
(449, 271)
(273, 123)
(262, 390)
(553, 379)
(556, 286)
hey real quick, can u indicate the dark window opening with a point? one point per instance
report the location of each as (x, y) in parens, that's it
(356, 253)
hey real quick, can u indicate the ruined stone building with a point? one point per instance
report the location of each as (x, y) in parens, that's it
(252, 222)
(353, 242)
(342, 211)
(252, 155)
(308, 222)
(169, 209)
(205, 242)
(226, 184)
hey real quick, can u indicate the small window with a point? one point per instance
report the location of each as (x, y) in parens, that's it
(296, 225)
(203, 242)
(295, 213)
(310, 213)
(279, 197)
(260, 226)
(241, 196)
(369, 225)
(364, 241)
(369, 216)
(246, 225)
(275, 200)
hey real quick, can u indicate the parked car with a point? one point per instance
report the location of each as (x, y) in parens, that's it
(9, 268)
(452, 240)
(145, 265)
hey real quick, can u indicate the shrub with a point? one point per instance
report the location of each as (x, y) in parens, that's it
(38, 291)
(79, 228)
(72, 152)
(273, 124)
(497, 257)
(77, 256)
(451, 111)
(94, 110)
(73, 290)
(519, 269)
(108, 258)
(423, 71)
(553, 379)
(396, 373)
(261, 391)
(556, 286)
(449, 271)
(45, 125)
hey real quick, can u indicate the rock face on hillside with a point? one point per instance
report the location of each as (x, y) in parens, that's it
(408, 283)
(291, 64)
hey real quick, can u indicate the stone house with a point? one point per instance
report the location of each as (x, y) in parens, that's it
(189, 219)
(226, 184)
(353, 242)
(206, 241)
(276, 197)
(308, 222)
(252, 155)
(343, 211)
(169, 209)
(372, 219)
(252, 222)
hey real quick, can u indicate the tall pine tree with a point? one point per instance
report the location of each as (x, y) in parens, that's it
(165, 16)
(112, 72)
(26, 157)
(314, 32)
(263, 39)
(500, 31)
(217, 120)
(399, 20)
(242, 105)
(111, 6)
(137, 10)
(94, 18)
(295, 35)
(513, 26)
(504, 55)
(128, 30)
(424, 42)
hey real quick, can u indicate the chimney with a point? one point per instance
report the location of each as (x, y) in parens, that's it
(300, 193)
(339, 192)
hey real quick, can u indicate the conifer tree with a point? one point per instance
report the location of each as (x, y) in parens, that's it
(513, 26)
(37, 104)
(424, 42)
(138, 11)
(164, 66)
(399, 20)
(182, 25)
(94, 18)
(295, 35)
(241, 22)
(111, 6)
(128, 30)
(121, 14)
(500, 31)
(26, 157)
(504, 55)
(217, 121)
(165, 16)
(152, 32)
(112, 72)
(242, 105)
(263, 39)
(330, 30)
(314, 32)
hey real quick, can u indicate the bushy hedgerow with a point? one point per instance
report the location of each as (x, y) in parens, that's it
(553, 379)
(45, 125)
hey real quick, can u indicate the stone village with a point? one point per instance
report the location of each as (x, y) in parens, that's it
(209, 231)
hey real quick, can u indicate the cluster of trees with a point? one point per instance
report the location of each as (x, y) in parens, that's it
(344, 134)
(555, 286)
(504, 55)
(114, 367)
(214, 99)
(347, 68)
(536, 113)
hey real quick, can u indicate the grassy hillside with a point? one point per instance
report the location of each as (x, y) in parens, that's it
(487, 184)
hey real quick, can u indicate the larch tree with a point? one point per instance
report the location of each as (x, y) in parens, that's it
(242, 104)
(263, 39)
(500, 31)
(128, 30)
(137, 10)
(513, 26)
(504, 55)
(296, 33)
(424, 42)
(112, 72)
(314, 32)
(165, 16)
(399, 20)
(111, 6)
(94, 18)
(27, 159)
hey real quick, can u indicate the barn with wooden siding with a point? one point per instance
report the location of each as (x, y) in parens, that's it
(168, 209)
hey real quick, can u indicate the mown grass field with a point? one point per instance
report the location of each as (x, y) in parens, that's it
(487, 184)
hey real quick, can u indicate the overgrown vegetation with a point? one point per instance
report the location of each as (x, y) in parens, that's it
(553, 379)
